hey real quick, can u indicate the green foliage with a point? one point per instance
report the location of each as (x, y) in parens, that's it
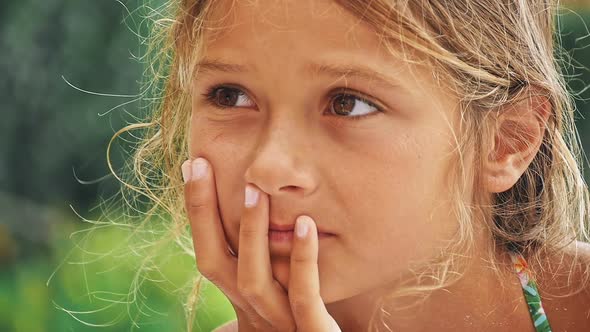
(575, 40)
(94, 288)
(49, 128)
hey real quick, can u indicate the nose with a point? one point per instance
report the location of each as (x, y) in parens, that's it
(281, 160)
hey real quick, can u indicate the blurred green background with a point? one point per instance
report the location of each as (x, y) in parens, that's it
(53, 167)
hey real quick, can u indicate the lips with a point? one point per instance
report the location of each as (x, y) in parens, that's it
(275, 227)
(288, 235)
(290, 227)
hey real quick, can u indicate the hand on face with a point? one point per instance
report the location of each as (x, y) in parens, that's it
(260, 302)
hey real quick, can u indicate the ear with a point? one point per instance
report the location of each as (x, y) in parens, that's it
(518, 136)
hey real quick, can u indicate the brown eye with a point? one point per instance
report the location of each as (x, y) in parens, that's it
(225, 97)
(343, 104)
(351, 106)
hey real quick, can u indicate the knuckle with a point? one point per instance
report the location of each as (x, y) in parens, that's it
(291, 327)
(209, 273)
(196, 212)
(248, 232)
(255, 321)
(252, 319)
(251, 292)
(197, 198)
(299, 259)
(196, 206)
(298, 304)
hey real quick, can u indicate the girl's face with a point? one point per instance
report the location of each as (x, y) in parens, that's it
(312, 109)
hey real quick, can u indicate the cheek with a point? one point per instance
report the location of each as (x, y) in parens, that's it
(403, 212)
(225, 153)
(210, 139)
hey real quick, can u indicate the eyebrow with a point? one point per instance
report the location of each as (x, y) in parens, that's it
(313, 69)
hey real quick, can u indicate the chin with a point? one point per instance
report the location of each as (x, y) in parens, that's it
(328, 291)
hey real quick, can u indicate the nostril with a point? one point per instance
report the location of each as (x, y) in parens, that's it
(290, 188)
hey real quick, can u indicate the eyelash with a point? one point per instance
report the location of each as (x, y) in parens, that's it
(211, 92)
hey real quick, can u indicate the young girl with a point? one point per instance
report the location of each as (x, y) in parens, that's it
(374, 165)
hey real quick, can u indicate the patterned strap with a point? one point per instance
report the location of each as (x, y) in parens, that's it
(531, 293)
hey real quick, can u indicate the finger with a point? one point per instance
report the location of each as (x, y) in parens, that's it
(307, 305)
(255, 279)
(211, 254)
(250, 320)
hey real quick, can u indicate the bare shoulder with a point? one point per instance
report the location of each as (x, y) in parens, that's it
(565, 292)
(231, 326)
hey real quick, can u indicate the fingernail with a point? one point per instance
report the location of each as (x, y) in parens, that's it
(186, 171)
(301, 226)
(199, 168)
(251, 196)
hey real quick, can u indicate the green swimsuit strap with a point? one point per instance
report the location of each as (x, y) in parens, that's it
(531, 293)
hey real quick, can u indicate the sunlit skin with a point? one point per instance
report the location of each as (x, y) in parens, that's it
(378, 184)
(363, 180)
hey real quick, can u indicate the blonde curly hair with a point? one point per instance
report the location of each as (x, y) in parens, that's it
(490, 52)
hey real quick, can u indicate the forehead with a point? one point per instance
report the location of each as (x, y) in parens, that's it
(283, 38)
(287, 38)
(287, 28)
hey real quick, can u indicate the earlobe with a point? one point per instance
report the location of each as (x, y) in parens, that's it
(518, 135)
(501, 176)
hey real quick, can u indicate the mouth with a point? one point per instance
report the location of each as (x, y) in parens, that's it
(287, 236)
(290, 227)
(280, 238)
